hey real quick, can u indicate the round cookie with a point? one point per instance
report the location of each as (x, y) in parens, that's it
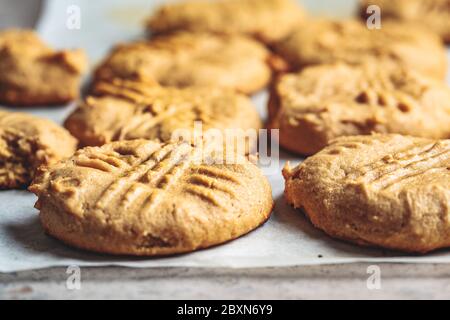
(126, 110)
(188, 59)
(324, 102)
(26, 143)
(266, 20)
(326, 41)
(390, 191)
(31, 73)
(432, 14)
(145, 198)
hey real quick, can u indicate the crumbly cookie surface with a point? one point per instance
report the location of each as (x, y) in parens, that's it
(432, 14)
(324, 102)
(26, 143)
(31, 73)
(266, 20)
(125, 110)
(350, 41)
(390, 191)
(186, 59)
(142, 197)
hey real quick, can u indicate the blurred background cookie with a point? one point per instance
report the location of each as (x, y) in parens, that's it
(431, 14)
(324, 102)
(191, 59)
(26, 143)
(266, 20)
(31, 73)
(320, 41)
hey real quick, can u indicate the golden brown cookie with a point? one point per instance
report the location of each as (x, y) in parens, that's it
(142, 197)
(26, 143)
(186, 59)
(266, 20)
(31, 73)
(125, 110)
(390, 191)
(432, 14)
(350, 41)
(324, 102)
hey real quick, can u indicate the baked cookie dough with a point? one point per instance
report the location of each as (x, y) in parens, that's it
(26, 143)
(126, 110)
(326, 41)
(186, 59)
(390, 191)
(324, 102)
(266, 20)
(147, 198)
(31, 73)
(432, 14)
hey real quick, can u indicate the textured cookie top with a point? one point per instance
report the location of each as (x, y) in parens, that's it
(337, 100)
(125, 110)
(327, 41)
(33, 73)
(433, 14)
(267, 20)
(146, 198)
(387, 190)
(185, 59)
(27, 142)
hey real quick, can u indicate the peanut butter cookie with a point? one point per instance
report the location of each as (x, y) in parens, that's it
(266, 20)
(432, 14)
(31, 73)
(350, 41)
(390, 191)
(27, 142)
(186, 59)
(324, 102)
(145, 198)
(125, 110)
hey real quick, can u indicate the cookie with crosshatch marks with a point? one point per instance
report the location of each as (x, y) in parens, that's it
(324, 102)
(31, 73)
(191, 59)
(125, 110)
(266, 20)
(147, 198)
(391, 191)
(321, 41)
(28, 142)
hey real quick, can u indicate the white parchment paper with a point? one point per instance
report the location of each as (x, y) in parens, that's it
(287, 239)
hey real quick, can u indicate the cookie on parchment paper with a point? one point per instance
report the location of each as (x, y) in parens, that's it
(389, 191)
(148, 198)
